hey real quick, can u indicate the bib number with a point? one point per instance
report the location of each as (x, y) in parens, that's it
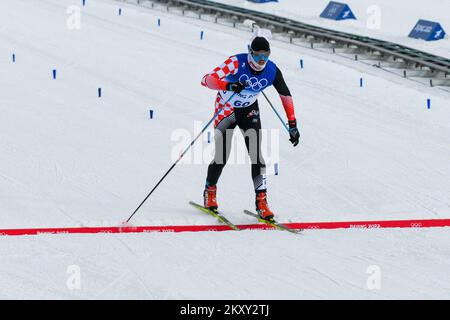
(238, 103)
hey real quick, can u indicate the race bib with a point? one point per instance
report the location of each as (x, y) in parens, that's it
(240, 100)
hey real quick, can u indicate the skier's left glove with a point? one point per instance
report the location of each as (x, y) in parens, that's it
(293, 132)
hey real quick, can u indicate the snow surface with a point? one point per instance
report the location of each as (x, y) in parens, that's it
(382, 19)
(337, 264)
(69, 158)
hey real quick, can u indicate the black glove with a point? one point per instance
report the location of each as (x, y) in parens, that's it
(235, 86)
(293, 132)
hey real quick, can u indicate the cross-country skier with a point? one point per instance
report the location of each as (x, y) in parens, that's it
(245, 75)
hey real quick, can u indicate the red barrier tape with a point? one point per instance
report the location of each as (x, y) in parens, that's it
(193, 228)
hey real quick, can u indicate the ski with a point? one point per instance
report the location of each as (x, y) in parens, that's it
(273, 223)
(215, 214)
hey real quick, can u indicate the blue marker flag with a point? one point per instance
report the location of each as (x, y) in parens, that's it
(427, 30)
(337, 11)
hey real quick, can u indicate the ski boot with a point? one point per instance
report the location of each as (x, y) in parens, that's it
(262, 208)
(209, 198)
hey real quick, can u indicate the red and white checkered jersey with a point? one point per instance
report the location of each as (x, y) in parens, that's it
(214, 80)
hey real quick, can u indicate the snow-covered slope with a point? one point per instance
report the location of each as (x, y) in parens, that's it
(382, 19)
(338, 264)
(70, 158)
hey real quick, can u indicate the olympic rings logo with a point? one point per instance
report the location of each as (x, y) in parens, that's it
(253, 82)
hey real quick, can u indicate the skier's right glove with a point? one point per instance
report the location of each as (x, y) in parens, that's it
(293, 132)
(236, 87)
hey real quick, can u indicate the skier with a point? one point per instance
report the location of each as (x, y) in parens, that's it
(245, 75)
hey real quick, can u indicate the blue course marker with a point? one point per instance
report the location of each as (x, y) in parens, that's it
(301, 63)
(54, 73)
(151, 114)
(201, 35)
(99, 92)
(159, 22)
(361, 83)
(14, 57)
(276, 168)
(429, 103)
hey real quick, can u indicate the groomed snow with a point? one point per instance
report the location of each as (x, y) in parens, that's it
(338, 264)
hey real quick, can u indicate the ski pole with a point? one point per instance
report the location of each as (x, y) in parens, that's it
(180, 157)
(276, 112)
